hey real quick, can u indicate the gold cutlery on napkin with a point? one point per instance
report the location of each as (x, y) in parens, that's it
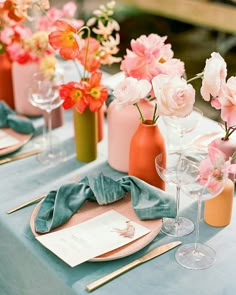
(20, 156)
(150, 255)
(39, 198)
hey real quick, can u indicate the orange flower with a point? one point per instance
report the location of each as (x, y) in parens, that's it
(96, 94)
(73, 94)
(88, 55)
(65, 40)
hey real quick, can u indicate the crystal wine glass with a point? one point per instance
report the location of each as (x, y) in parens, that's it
(166, 165)
(184, 125)
(203, 176)
(44, 94)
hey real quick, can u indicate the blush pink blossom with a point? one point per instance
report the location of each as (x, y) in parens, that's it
(174, 96)
(130, 91)
(227, 101)
(214, 76)
(147, 56)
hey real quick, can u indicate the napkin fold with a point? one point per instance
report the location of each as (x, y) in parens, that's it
(8, 118)
(59, 205)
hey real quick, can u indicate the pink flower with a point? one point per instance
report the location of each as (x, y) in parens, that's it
(147, 58)
(131, 90)
(214, 76)
(227, 102)
(213, 170)
(69, 9)
(174, 97)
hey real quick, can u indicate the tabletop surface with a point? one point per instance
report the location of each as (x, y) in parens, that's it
(28, 268)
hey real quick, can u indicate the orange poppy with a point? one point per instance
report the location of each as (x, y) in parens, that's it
(96, 94)
(65, 39)
(73, 95)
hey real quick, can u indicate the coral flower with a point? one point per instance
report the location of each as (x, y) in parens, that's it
(96, 94)
(73, 95)
(65, 40)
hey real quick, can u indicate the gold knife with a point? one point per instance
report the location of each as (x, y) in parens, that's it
(27, 203)
(152, 254)
(20, 156)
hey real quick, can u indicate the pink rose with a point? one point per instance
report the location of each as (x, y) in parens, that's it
(131, 90)
(215, 73)
(174, 97)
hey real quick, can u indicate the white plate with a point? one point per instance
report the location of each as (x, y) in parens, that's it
(123, 206)
(22, 140)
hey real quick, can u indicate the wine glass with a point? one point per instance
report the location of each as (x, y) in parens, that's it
(183, 125)
(203, 176)
(44, 94)
(166, 165)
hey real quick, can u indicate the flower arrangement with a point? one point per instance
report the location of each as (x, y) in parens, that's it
(24, 45)
(153, 73)
(90, 46)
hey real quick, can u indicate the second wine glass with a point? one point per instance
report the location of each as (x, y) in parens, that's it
(166, 165)
(44, 94)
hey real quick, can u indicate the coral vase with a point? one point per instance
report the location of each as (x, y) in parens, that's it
(86, 135)
(122, 124)
(145, 144)
(6, 88)
(21, 78)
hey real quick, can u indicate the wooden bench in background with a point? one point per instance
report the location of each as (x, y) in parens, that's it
(213, 15)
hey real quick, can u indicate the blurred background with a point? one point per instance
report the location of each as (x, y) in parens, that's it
(195, 28)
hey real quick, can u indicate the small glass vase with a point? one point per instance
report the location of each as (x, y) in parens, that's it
(85, 135)
(146, 143)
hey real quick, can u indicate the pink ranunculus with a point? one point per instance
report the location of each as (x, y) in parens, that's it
(147, 57)
(227, 100)
(6, 35)
(172, 66)
(215, 73)
(18, 54)
(174, 97)
(131, 90)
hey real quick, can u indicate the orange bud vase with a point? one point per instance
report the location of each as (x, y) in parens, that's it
(145, 144)
(6, 88)
(218, 211)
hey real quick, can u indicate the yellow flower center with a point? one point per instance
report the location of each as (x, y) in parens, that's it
(95, 93)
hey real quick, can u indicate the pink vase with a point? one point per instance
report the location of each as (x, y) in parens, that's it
(21, 78)
(122, 123)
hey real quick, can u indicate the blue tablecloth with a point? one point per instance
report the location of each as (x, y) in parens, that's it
(27, 268)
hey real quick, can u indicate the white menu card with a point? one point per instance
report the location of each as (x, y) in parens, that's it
(7, 140)
(99, 235)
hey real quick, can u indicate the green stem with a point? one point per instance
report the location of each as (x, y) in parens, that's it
(199, 75)
(154, 115)
(141, 115)
(77, 68)
(87, 45)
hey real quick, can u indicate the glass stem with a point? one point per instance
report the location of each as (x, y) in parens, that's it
(177, 203)
(50, 131)
(197, 230)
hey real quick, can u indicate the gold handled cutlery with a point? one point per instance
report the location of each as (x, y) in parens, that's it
(20, 156)
(150, 255)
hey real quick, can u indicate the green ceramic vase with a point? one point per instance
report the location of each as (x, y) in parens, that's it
(86, 135)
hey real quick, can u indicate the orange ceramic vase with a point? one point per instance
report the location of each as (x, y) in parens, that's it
(145, 144)
(6, 88)
(218, 211)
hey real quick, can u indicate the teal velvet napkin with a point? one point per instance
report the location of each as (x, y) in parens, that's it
(8, 118)
(59, 205)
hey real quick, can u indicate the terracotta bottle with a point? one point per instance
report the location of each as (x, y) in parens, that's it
(145, 144)
(218, 211)
(6, 88)
(122, 123)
